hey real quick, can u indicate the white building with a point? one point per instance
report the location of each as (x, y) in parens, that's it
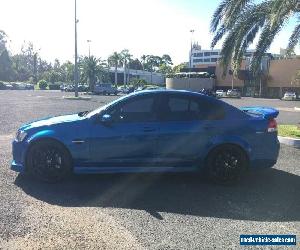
(200, 56)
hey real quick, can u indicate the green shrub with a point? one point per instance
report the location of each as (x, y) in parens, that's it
(137, 82)
(43, 84)
(54, 86)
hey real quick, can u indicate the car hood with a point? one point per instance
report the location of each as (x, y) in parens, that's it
(49, 121)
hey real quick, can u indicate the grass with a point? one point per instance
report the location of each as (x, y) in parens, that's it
(289, 131)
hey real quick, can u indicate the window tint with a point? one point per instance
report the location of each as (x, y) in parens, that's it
(138, 110)
(187, 109)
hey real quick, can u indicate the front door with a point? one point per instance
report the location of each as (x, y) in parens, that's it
(130, 139)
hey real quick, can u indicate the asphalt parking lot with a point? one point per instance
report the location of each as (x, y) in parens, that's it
(157, 211)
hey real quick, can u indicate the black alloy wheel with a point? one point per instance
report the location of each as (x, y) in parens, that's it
(48, 161)
(226, 164)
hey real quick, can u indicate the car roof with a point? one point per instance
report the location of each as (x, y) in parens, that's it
(166, 91)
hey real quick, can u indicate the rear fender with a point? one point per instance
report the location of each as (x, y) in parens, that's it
(221, 140)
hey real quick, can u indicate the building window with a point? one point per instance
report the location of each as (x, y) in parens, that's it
(213, 59)
(198, 54)
(207, 60)
(214, 53)
(197, 60)
(206, 53)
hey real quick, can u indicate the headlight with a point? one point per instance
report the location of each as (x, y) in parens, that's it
(20, 135)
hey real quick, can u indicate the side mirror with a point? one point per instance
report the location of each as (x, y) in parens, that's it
(106, 119)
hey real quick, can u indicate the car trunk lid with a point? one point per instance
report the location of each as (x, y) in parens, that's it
(265, 112)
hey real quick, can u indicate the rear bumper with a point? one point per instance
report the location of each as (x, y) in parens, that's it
(266, 157)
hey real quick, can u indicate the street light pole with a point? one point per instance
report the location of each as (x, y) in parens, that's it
(190, 66)
(192, 32)
(89, 41)
(76, 66)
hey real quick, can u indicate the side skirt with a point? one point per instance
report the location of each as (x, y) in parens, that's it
(102, 170)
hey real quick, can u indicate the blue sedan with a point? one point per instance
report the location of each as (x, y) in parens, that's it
(150, 131)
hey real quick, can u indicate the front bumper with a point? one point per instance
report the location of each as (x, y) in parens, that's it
(17, 167)
(18, 152)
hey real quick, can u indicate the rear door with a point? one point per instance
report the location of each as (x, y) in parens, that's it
(187, 125)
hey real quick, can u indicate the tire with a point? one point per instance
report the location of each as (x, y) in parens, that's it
(226, 164)
(48, 161)
(116, 93)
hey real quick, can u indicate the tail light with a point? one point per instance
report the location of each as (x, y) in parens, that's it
(272, 125)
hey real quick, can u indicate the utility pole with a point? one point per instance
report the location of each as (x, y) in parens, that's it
(76, 66)
(190, 66)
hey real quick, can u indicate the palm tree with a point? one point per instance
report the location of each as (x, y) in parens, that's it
(92, 68)
(143, 59)
(240, 21)
(114, 60)
(125, 58)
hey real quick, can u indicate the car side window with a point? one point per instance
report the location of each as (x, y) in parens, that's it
(137, 110)
(177, 108)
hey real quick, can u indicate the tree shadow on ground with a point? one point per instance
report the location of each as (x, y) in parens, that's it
(268, 195)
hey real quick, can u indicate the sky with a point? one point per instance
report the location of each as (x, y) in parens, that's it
(143, 26)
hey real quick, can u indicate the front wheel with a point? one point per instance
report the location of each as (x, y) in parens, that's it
(48, 161)
(226, 164)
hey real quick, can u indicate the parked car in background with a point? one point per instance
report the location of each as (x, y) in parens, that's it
(105, 89)
(63, 87)
(125, 90)
(70, 88)
(29, 86)
(220, 93)
(289, 96)
(233, 93)
(83, 87)
(207, 92)
(8, 86)
(151, 131)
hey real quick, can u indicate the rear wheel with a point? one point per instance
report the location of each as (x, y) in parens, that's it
(226, 164)
(48, 161)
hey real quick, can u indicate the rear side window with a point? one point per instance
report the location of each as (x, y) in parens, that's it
(179, 108)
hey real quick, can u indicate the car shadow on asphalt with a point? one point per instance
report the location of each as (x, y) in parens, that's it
(266, 195)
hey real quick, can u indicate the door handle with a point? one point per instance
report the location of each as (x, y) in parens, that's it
(149, 129)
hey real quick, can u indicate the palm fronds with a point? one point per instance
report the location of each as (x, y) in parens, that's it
(240, 21)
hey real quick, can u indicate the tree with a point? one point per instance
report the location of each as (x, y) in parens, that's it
(125, 58)
(68, 71)
(177, 68)
(135, 64)
(143, 60)
(5, 66)
(114, 60)
(152, 64)
(240, 21)
(93, 69)
(3, 37)
(166, 59)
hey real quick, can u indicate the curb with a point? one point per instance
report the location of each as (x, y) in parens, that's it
(86, 98)
(289, 141)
